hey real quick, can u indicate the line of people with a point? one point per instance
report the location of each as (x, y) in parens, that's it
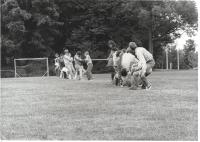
(72, 68)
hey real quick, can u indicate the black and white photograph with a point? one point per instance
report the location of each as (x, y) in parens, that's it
(123, 70)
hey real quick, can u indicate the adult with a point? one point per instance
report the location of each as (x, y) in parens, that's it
(146, 62)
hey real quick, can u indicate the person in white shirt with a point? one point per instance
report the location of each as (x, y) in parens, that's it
(68, 60)
(129, 64)
(64, 71)
(67, 72)
(146, 62)
(88, 60)
(66, 57)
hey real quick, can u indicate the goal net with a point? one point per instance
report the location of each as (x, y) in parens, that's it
(99, 66)
(31, 67)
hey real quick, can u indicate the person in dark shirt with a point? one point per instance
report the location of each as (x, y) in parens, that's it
(113, 48)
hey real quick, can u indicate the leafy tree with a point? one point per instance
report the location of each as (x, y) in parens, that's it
(160, 20)
(38, 28)
(42, 29)
(190, 56)
(13, 29)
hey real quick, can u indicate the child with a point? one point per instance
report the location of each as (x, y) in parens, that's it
(113, 48)
(89, 65)
(68, 60)
(57, 64)
(66, 57)
(78, 65)
(71, 65)
(64, 72)
(126, 78)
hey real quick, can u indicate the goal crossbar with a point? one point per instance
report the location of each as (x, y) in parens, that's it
(31, 59)
(99, 59)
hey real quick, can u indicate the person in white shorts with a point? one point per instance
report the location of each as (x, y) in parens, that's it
(64, 70)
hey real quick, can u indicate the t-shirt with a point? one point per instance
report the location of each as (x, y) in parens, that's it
(127, 60)
(57, 60)
(115, 59)
(88, 59)
(70, 60)
(77, 60)
(62, 64)
(67, 60)
(143, 55)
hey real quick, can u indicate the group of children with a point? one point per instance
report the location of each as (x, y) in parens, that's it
(72, 68)
(137, 73)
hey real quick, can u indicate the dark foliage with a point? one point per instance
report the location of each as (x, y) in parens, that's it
(40, 28)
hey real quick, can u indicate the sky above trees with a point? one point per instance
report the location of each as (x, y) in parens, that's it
(184, 37)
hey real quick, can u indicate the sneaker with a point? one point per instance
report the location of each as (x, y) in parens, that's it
(140, 85)
(143, 86)
(148, 87)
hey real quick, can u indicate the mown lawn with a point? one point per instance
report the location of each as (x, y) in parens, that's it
(58, 109)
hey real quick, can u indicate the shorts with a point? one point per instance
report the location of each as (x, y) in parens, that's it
(151, 63)
(57, 64)
(65, 70)
(78, 67)
(147, 69)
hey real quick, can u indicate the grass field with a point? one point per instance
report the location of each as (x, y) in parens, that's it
(57, 109)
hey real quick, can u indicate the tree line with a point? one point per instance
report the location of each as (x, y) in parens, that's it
(41, 28)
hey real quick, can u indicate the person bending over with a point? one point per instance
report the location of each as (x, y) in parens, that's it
(146, 62)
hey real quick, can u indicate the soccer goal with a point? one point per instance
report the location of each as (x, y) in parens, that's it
(99, 66)
(31, 67)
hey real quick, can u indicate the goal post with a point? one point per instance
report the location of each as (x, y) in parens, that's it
(99, 59)
(100, 66)
(40, 67)
(25, 67)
